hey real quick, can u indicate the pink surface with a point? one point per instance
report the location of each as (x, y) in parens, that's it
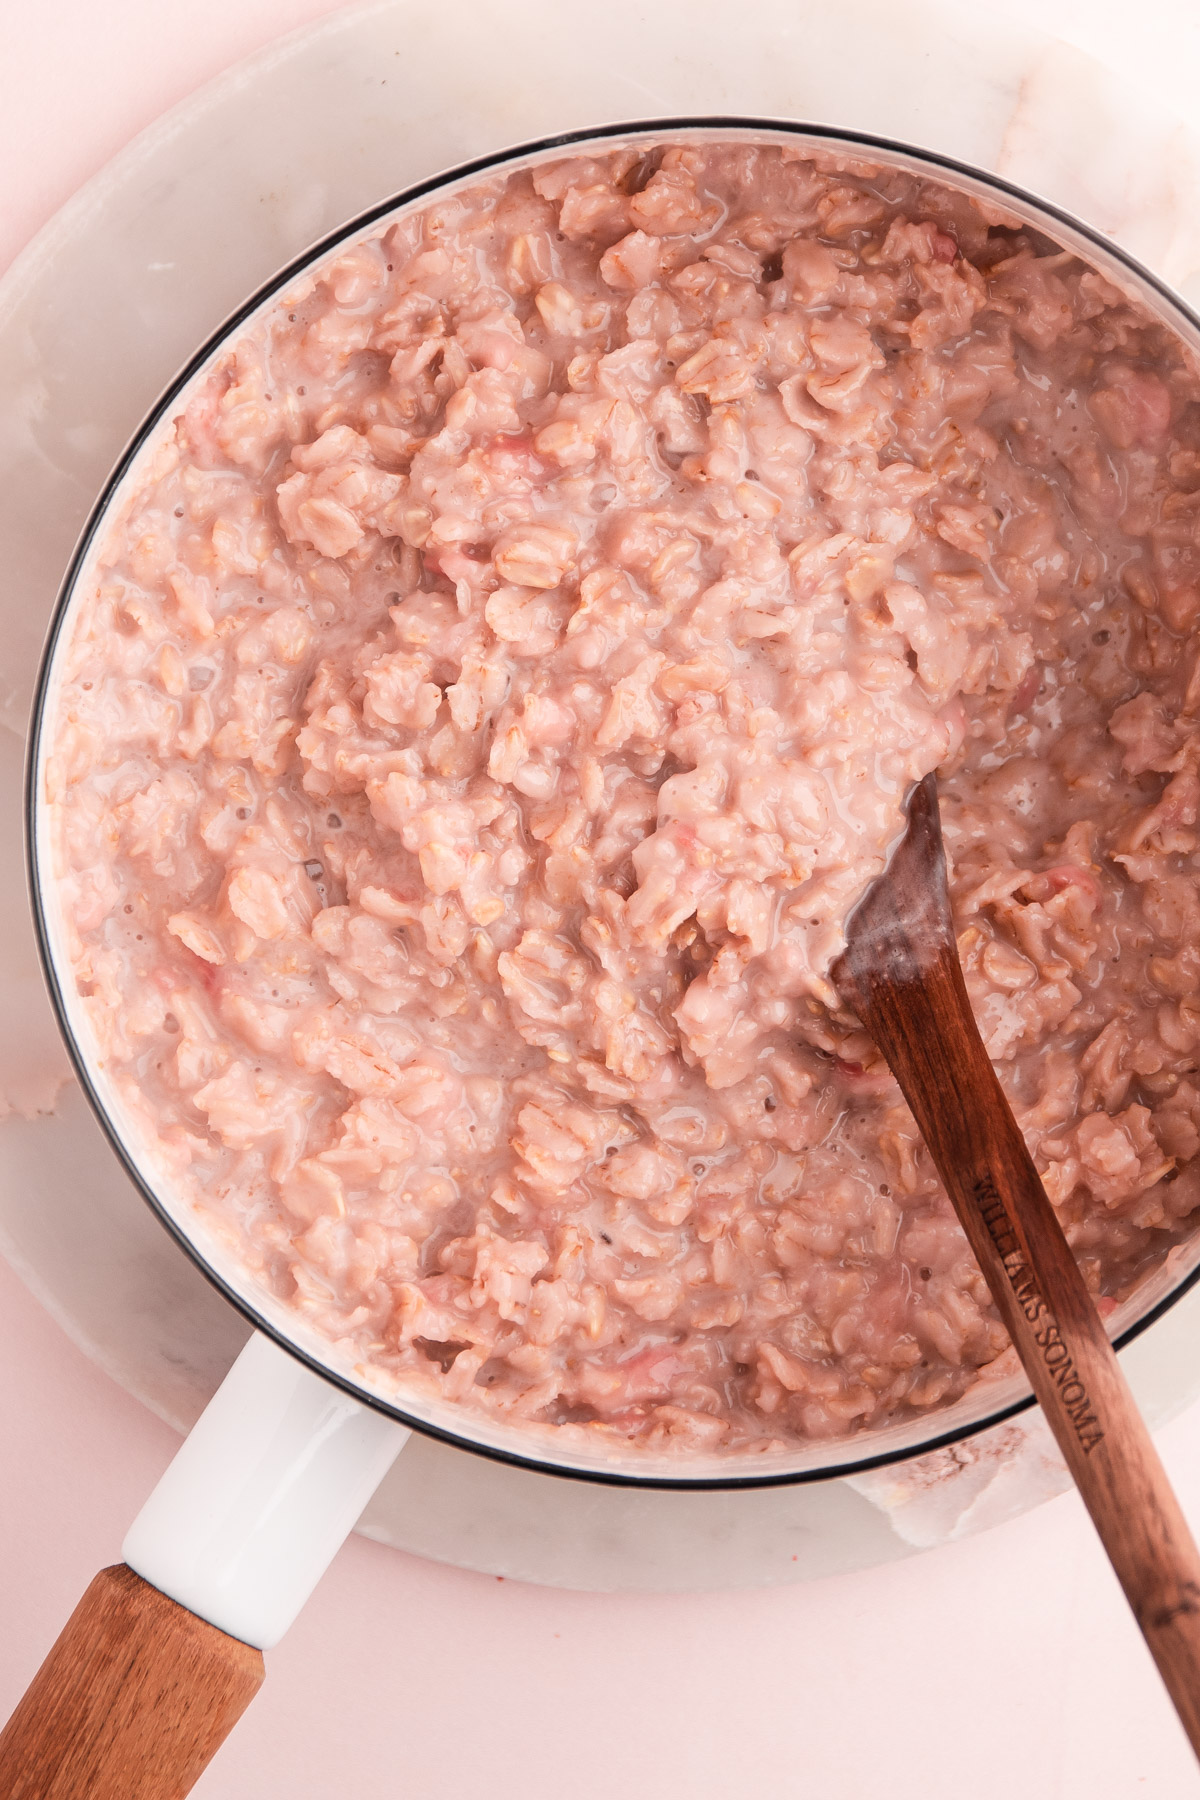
(845, 1689)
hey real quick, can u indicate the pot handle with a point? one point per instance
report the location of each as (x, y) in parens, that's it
(132, 1701)
(164, 1652)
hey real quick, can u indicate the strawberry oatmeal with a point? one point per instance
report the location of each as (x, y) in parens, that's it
(500, 683)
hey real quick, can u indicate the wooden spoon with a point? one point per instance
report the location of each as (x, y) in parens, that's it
(900, 973)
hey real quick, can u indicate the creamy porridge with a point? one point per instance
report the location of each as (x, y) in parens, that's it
(501, 684)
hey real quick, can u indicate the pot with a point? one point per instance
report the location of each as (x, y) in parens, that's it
(280, 1465)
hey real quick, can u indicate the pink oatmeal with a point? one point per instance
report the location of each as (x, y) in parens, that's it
(497, 691)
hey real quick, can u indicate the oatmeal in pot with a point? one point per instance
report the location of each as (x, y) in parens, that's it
(500, 684)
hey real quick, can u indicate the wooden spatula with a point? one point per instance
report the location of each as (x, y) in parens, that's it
(901, 975)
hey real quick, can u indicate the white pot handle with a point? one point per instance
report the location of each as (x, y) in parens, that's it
(263, 1492)
(164, 1652)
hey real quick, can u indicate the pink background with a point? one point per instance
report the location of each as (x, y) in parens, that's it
(1003, 1665)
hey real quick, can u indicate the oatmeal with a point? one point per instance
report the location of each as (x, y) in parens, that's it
(501, 684)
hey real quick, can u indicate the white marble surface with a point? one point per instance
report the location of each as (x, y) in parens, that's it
(137, 269)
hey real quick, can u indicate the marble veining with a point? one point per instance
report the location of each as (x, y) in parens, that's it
(185, 222)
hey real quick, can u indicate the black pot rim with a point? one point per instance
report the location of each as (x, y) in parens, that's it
(855, 143)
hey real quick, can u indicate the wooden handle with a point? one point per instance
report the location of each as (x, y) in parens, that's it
(131, 1703)
(902, 971)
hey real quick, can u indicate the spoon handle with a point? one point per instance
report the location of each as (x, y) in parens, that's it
(913, 1001)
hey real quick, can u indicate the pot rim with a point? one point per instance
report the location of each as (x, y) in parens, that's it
(896, 152)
